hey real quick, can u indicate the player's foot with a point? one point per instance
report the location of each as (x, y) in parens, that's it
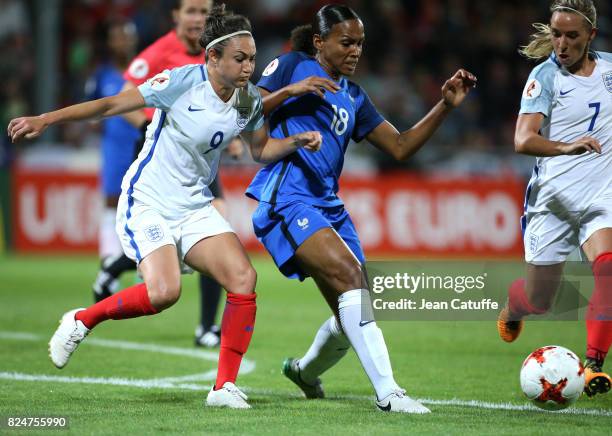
(104, 286)
(66, 338)
(508, 328)
(595, 380)
(228, 396)
(207, 339)
(398, 401)
(291, 370)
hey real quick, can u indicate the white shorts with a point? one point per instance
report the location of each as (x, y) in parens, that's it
(550, 237)
(147, 229)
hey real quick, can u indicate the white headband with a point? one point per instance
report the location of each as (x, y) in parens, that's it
(224, 37)
(559, 8)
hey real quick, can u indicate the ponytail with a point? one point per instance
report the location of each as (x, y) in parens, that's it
(301, 39)
(540, 44)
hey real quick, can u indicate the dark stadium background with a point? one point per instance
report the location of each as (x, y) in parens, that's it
(50, 47)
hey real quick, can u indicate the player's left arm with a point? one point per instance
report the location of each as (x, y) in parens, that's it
(34, 126)
(266, 149)
(405, 144)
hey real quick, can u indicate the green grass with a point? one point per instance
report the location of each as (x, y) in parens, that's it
(432, 360)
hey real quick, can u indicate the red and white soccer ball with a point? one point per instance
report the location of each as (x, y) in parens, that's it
(552, 377)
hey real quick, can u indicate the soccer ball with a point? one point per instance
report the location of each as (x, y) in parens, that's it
(552, 377)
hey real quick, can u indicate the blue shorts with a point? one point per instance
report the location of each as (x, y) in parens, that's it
(283, 227)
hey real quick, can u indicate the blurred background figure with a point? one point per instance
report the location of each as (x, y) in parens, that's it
(118, 147)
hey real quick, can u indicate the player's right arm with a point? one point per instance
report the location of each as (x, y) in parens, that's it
(527, 140)
(536, 104)
(275, 84)
(32, 127)
(137, 118)
(314, 84)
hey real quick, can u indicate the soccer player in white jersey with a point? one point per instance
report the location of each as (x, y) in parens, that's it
(566, 122)
(165, 220)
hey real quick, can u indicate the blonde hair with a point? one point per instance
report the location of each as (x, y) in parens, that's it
(540, 44)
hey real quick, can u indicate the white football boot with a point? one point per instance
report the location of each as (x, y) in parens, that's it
(398, 401)
(228, 396)
(66, 338)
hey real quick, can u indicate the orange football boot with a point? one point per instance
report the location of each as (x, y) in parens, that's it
(507, 328)
(595, 380)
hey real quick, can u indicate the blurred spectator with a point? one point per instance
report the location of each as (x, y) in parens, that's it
(411, 45)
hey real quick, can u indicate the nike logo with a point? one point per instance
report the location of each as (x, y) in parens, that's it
(362, 323)
(386, 408)
(566, 92)
(196, 109)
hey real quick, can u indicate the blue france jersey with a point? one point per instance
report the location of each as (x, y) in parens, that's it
(108, 81)
(118, 136)
(348, 114)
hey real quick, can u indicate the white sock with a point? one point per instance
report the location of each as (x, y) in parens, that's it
(107, 236)
(367, 340)
(329, 346)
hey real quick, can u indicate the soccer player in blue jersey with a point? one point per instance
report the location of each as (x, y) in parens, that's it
(118, 147)
(300, 219)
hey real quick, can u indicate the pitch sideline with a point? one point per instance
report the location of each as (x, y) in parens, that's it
(246, 367)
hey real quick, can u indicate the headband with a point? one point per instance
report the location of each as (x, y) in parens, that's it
(229, 35)
(558, 8)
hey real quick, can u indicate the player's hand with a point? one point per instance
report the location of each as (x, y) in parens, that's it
(236, 148)
(315, 84)
(457, 87)
(311, 141)
(26, 127)
(583, 145)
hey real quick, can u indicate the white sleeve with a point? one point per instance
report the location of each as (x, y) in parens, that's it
(605, 56)
(257, 119)
(163, 89)
(538, 94)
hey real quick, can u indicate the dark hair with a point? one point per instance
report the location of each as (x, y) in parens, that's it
(177, 4)
(219, 23)
(322, 23)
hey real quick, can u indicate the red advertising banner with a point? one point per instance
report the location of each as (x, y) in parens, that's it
(406, 214)
(395, 214)
(55, 211)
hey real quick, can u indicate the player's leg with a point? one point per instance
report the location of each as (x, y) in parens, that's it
(532, 295)
(548, 239)
(213, 249)
(598, 249)
(160, 290)
(208, 334)
(223, 258)
(328, 259)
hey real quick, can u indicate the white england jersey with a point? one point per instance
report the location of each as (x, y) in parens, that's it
(574, 107)
(190, 128)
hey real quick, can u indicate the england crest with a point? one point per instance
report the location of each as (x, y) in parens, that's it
(242, 116)
(607, 80)
(154, 233)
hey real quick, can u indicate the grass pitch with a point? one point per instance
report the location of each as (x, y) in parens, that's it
(143, 376)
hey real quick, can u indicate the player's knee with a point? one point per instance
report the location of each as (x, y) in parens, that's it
(164, 292)
(346, 274)
(243, 280)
